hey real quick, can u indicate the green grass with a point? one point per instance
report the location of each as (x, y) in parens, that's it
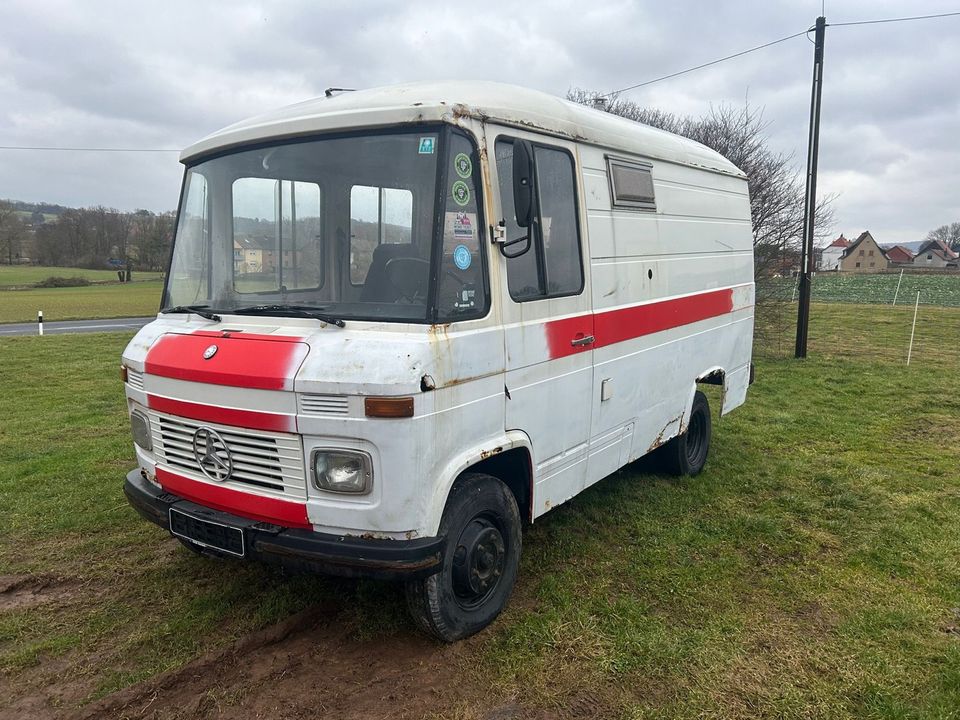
(880, 288)
(20, 276)
(96, 301)
(810, 571)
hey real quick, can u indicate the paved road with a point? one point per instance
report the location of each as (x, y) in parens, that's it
(76, 326)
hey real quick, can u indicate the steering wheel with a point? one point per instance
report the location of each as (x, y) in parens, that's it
(412, 290)
(411, 285)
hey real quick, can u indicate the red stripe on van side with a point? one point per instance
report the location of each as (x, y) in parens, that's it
(248, 505)
(240, 361)
(615, 326)
(628, 323)
(224, 416)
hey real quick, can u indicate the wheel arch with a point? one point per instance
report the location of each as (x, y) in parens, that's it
(508, 458)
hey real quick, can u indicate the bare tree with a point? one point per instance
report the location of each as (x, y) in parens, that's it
(13, 233)
(947, 234)
(776, 188)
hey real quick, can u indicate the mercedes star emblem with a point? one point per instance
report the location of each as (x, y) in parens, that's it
(212, 454)
(210, 352)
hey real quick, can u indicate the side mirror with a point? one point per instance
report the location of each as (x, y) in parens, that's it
(523, 182)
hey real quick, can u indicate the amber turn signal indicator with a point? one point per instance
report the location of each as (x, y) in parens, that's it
(123, 373)
(388, 407)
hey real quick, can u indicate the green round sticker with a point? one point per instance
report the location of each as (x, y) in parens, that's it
(463, 165)
(461, 193)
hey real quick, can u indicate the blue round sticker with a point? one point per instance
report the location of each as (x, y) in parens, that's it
(462, 257)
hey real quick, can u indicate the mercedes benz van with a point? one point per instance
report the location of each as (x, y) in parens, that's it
(400, 323)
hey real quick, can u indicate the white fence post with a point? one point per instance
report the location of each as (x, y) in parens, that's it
(914, 328)
(898, 287)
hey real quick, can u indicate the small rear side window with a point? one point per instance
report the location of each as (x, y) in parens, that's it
(631, 184)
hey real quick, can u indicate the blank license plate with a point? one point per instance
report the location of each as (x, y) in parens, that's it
(207, 533)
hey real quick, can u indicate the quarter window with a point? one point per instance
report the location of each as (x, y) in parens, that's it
(552, 266)
(631, 184)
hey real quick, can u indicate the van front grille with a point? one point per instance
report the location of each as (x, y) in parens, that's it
(270, 463)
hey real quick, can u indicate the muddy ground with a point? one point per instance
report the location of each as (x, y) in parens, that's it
(307, 666)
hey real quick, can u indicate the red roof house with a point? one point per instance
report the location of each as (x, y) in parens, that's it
(899, 255)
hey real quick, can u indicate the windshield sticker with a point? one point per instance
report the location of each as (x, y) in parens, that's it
(463, 165)
(426, 145)
(461, 193)
(462, 227)
(467, 299)
(462, 257)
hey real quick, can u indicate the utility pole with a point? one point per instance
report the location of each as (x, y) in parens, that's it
(810, 200)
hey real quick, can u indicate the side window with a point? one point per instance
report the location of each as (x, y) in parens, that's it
(377, 216)
(631, 184)
(461, 292)
(552, 266)
(276, 235)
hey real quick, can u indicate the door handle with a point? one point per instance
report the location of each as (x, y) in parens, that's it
(581, 341)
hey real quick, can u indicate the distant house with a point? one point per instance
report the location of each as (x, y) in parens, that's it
(899, 255)
(864, 255)
(935, 254)
(831, 254)
(252, 255)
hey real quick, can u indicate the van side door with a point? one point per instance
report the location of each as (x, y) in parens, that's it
(548, 325)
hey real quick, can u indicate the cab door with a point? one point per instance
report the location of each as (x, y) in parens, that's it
(548, 325)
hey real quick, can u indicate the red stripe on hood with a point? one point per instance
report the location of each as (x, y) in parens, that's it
(261, 362)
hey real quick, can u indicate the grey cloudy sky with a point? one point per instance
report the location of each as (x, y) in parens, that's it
(161, 75)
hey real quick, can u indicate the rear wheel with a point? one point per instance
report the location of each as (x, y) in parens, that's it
(481, 524)
(686, 454)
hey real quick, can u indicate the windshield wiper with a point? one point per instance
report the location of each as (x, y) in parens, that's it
(304, 311)
(200, 310)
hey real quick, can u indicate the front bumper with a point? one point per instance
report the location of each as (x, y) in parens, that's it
(295, 548)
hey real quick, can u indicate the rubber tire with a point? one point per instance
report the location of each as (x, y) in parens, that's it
(431, 600)
(686, 454)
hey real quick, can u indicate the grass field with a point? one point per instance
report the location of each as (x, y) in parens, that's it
(935, 289)
(135, 299)
(21, 276)
(810, 571)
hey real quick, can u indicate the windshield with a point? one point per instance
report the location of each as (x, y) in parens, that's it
(346, 226)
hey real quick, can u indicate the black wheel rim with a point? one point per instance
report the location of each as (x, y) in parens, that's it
(478, 562)
(696, 440)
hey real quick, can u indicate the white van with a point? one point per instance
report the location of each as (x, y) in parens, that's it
(400, 323)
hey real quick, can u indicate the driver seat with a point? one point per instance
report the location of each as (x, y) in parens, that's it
(377, 286)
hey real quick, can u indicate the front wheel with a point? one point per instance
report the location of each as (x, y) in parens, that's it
(481, 524)
(686, 454)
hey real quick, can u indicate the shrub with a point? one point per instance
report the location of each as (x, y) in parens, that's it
(61, 282)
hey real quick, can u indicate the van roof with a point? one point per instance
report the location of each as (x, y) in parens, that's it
(449, 101)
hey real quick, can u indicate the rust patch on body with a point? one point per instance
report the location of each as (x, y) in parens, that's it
(489, 453)
(661, 436)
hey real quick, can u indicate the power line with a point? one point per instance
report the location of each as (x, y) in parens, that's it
(890, 20)
(86, 149)
(775, 42)
(707, 64)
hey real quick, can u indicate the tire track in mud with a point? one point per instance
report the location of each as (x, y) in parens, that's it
(307, 666)
(23, 591)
